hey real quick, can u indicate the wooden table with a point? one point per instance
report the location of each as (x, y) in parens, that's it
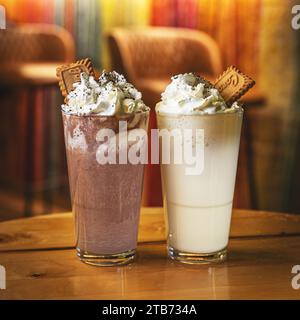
(39, 257)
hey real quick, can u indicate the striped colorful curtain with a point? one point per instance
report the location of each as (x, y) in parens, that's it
(125, 13)
(224, 20)
(88, 21)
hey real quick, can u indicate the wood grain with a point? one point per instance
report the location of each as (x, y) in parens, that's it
(257, 268)
(41, 264)
(56, 230)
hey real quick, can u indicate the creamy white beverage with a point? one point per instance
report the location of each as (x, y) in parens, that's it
(198, 206)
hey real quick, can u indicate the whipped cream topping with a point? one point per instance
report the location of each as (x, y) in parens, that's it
(110, 95)
(190, 94)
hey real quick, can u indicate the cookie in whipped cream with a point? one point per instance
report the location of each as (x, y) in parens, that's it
(190, 94)
(110, 95)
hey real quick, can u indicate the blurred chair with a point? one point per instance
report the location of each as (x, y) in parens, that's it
(149, 57)
(29, 55)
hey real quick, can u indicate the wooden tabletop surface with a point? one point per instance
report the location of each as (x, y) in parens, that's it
(39, 257)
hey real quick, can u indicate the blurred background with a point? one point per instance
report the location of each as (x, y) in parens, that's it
(148, 41)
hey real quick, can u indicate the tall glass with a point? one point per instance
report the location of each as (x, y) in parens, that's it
(105, 197)
(198, 206)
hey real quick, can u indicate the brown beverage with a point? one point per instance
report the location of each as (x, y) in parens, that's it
(105, 197)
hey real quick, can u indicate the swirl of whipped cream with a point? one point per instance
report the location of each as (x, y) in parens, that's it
(110, 95)
(190, 94)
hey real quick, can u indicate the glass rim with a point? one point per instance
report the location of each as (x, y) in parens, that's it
(125, 115)
(217, 114)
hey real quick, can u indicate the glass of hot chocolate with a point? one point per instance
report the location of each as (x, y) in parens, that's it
(105, 126)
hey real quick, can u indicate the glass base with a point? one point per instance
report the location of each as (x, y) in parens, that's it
(197, 258)
(106, 260)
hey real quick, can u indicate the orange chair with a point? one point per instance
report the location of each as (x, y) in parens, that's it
(29, 55)
(150, 56)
